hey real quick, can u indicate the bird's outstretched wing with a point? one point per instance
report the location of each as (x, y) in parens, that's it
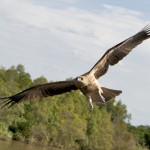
(119, 51)
(39, 91)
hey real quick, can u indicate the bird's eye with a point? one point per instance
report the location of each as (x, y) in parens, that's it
(81, 78)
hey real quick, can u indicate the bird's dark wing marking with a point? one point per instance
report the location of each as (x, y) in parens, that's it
(119, 51)
(40, 91)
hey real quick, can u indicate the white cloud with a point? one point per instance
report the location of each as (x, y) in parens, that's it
(122, 11)
(98, 28)
(70, 1)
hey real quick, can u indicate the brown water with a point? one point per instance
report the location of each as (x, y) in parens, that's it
(13, 145)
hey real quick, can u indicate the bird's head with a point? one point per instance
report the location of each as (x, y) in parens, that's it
(82, 80)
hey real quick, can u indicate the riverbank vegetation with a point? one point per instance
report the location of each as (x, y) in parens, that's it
(65, 121)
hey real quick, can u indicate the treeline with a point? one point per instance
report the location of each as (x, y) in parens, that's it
(65, 121)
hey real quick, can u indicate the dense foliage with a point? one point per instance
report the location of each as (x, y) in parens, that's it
(64, 121)
(141, 134)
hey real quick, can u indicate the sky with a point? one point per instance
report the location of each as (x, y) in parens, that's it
(65, 38)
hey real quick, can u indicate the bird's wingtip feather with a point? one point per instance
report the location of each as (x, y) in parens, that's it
(5, 101)
(147, 29)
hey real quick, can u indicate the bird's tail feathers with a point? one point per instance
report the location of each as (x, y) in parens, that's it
(110, 94)
(105, 96)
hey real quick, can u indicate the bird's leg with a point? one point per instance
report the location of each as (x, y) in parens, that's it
(103, 98)
(90, 103)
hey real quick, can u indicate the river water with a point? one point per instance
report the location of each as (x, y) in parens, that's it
(14, 145)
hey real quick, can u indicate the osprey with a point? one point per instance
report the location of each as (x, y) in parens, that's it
(88, 82)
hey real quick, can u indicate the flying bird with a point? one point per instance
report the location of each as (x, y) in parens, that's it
(88, 82)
